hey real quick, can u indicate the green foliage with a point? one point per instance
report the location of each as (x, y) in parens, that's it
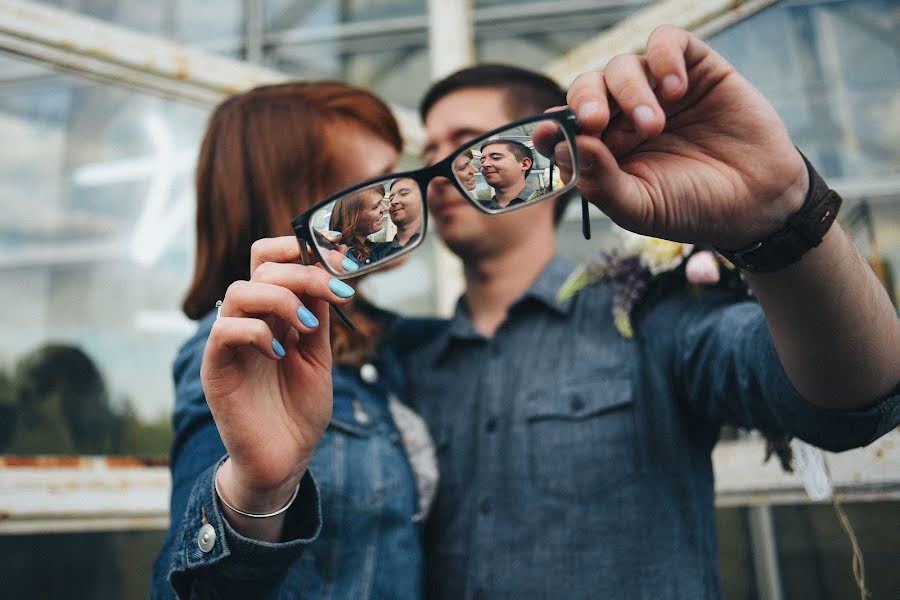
(57, 403)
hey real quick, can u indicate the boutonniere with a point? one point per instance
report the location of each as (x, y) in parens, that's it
(642, 266)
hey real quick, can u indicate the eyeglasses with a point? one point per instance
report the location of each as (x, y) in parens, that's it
(385, 217)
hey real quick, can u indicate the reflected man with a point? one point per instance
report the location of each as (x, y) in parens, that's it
(405, 205)
(505, 164)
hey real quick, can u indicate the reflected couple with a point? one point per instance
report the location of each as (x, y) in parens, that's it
(355, 218)
(360, 216)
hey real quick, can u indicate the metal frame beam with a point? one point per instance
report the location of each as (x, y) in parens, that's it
(61, 494)
(97, 50)
(702, 17)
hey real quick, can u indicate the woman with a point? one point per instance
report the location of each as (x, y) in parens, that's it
(356, 218)
(249, 525)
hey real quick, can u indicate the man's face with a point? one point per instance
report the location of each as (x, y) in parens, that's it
(501, 168)
(465, 171)
(453, 120)
(405, 202)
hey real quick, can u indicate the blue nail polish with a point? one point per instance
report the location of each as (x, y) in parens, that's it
(340, 288)
(277, 347)
(349, 265)
(307, 318)
(335, 234)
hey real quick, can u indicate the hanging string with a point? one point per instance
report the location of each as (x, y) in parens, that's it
(859, 567)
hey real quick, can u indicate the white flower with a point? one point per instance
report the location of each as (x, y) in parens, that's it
(656, 255)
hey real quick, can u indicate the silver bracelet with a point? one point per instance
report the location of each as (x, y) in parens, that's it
(253, 515)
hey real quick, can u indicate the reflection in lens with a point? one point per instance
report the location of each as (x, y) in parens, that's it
(373, 224)
(358, 216)
(506, 171)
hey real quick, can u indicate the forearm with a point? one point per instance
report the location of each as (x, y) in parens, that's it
(833, 325)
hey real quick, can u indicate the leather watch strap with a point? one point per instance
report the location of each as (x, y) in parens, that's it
(802, 231)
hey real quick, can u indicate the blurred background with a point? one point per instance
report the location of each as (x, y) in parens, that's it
(102, 107)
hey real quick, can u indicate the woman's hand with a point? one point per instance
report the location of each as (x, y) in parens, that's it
(267, 374)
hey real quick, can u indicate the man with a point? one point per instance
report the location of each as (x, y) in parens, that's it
(405, 209)
(505, 165)
(405, 201)
(576, 463)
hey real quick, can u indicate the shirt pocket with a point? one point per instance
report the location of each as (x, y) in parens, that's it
(581, 437)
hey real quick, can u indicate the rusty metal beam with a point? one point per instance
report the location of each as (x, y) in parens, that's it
(147, 63)
(703, 17)
(105, 493)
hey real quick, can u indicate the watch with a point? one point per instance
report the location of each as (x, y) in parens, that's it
(802, 231)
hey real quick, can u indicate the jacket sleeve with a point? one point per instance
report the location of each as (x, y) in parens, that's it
(725, 367)
(234, 566)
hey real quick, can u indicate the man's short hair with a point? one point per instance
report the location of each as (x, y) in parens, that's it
(526, 93)
(518, 149)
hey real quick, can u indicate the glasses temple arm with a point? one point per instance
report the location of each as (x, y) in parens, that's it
(585, 219)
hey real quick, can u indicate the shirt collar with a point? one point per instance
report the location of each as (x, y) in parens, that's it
(543, 290)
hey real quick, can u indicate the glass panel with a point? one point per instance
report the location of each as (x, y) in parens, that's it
(216, 23)
(96, 246)
(816, 556)
(832, 70)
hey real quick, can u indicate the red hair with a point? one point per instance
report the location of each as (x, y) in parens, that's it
(266, 157)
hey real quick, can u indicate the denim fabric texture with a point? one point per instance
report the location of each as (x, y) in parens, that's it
(576, 463)
(349, 534)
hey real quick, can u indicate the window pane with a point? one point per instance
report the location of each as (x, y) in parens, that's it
(96, 247)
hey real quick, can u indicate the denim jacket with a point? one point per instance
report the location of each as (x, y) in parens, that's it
(352, 531)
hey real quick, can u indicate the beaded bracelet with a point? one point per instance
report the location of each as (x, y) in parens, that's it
(253, 515)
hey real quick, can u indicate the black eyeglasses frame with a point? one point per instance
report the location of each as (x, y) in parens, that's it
(569, 128)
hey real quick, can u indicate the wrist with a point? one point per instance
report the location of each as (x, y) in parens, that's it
(803, 230)
(238, 496)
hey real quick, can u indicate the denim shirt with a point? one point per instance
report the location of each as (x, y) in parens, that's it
(349, 534)
(576, 463)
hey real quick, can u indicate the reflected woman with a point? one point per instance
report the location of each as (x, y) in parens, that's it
(356, 218)
(465, 170)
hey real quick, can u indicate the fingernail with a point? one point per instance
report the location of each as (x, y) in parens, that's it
(340, 288)
(307, 318)
(643, 116)
(349, 265)
(588, 109)
(335, 234)
(670, 84)
(277, 347)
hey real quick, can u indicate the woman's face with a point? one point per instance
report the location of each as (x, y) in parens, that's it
(371, 211)
(361, 155)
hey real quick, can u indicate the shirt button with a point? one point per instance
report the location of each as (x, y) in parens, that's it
(368, 373)
(490, 425)
(486, 506)
(206, 539)
(577, 403)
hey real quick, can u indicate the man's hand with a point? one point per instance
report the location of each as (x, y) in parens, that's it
(678, 145)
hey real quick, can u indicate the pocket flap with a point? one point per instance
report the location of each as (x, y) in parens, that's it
(344, 417)
(579, 400)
